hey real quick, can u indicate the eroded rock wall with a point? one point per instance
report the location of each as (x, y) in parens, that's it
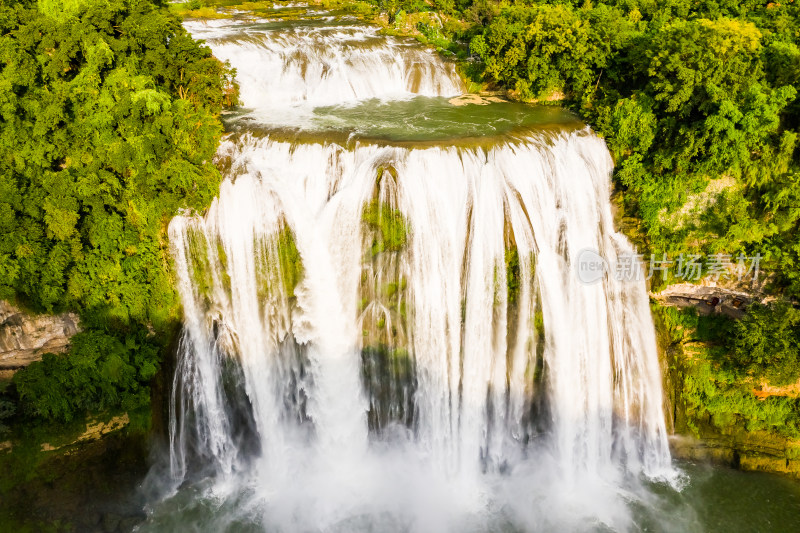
(25, 337)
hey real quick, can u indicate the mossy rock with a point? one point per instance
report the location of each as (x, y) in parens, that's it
(291, 264)
(388, 225)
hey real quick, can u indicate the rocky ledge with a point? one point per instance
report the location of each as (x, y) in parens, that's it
(25, 337)
(735, 447)
(707, 299)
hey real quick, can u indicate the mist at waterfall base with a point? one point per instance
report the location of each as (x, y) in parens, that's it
(384, 330)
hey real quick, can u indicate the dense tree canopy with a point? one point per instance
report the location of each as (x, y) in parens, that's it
(109, 119)
(766, 344)
(108, 124)
(729, 359)
(101, 371)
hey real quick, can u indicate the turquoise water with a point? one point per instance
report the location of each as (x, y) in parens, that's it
(437, 119)
(421, 120)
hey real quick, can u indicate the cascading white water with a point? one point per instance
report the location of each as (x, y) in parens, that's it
(284, 74)
(384, 337)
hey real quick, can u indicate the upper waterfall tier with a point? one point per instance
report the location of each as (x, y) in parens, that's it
(287, 70)
(331, 78)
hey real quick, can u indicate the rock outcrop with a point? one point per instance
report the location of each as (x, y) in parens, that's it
(25, 337)
(736, 447)
(707, 299)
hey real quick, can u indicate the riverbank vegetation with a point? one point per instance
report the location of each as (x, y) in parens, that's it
(109, 120)
(736, 374)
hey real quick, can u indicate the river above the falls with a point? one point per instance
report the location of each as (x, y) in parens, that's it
(383, 326)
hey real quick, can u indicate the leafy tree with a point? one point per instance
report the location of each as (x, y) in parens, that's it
(705, 79)
(541, 49)
(109, 125)
(109, 120)
(100, 372)
(766, 343)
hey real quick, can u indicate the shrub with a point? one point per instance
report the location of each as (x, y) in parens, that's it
(100, 372)
(766, 343)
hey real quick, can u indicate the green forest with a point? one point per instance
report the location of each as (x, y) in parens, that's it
(109, 120)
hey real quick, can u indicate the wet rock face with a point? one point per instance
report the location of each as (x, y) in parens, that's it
(25, 337)
(760, 451)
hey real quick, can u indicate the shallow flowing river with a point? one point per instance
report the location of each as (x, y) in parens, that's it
(384, 328)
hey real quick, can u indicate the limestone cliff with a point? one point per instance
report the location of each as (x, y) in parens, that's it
(25, 337)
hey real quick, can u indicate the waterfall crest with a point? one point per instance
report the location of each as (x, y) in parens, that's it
(397, 331)
(284, 74)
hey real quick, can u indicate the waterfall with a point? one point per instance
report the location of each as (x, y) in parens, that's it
(395, 334)
(284, 74)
